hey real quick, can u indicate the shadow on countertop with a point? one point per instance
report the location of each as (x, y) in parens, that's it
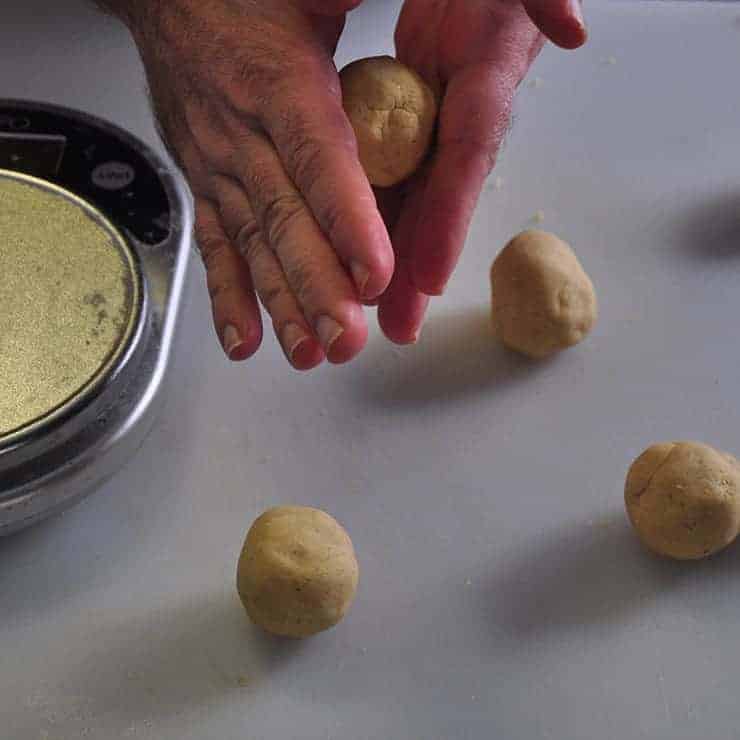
(158, 664)
(710, 230)
(457, 357)
(590, 574)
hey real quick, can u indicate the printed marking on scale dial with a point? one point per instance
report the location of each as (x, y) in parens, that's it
(113, 175)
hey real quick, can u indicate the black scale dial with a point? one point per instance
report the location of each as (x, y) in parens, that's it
(91, 162)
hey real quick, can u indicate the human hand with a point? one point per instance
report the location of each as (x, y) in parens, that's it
(249, 104)
(474, 54)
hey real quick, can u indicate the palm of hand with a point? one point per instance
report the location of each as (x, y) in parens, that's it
(442, 38)
(474, 54)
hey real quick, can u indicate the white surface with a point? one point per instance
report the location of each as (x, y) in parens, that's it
(502, 594)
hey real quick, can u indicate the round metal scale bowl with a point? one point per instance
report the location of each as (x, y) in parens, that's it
(94, 241)
(71, 297)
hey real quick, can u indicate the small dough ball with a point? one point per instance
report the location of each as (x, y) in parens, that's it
(682, 498)
(297, 572)
(542, 300)
(393, 112)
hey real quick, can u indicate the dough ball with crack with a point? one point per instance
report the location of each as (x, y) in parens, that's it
(393, 112)
(297, 572)
(542, 300)
(683, 499)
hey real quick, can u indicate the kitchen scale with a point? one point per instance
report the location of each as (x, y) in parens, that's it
(95, 233)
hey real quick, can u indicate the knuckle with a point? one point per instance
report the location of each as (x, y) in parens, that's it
(248, 240)
(300, 274)
(273, 296)
(309, 167)
(212, 249)
(307, 163)
(219, 287)
(332, 220)
(279, 214)
(257, 178)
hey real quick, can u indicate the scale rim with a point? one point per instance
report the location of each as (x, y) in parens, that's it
(51, 475)
(37, 428)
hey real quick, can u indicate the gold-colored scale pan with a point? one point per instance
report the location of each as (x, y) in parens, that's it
(70, 299)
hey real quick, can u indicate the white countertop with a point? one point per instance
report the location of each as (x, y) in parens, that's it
(502, 593)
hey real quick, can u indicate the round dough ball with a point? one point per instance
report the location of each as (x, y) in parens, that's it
(297, 572)
(393, 112)
(682, 498)
(542, 300)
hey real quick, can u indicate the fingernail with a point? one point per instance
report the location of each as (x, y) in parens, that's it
(231, 340)
(328, 331)
(292, 337)
(361, 276)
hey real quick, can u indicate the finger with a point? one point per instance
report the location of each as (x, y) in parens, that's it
(317, 278)
(560, 20)
(313, 271)
(236, 313)
(389, 202)
(402, 307)
(296, 338)
(472, 127)
(318, 149)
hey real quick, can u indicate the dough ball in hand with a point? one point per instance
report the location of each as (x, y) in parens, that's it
(542, 300)
(393, 112)
(297, 572)
(682, 499)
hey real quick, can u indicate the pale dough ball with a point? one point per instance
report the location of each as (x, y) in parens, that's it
(393, 112)
(542, 300)
(682, 498)
(297, 571)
